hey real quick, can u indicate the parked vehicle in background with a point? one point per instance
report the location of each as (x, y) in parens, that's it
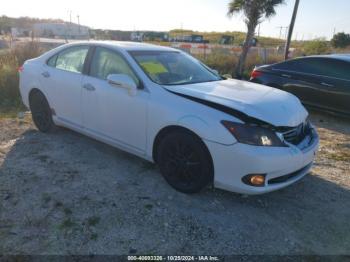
(318, 81)
(167, 107)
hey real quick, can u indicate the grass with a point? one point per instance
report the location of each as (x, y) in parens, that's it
(94, 236)
(9, 112)
(149, 206)
(339, 156)
(93, 221)
(46, 198)
(10, 61)
(67, 211)
(67, 223)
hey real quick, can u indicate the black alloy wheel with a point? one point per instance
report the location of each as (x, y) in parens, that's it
(185, 162)
(41, 112)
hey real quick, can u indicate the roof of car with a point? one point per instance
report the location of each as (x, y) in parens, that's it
(344, 57)
(128, 46)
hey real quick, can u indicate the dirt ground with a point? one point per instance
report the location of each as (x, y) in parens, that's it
(64, 193)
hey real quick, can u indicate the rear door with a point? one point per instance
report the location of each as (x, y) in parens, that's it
(62, 77)
(334, 85)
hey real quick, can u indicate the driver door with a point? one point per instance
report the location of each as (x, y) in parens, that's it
(110, 111)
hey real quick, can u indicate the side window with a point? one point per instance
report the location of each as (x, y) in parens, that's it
(315, 66)
(52, 61)
(72, 59)
(325, 67)
(106, 62)
(337, 69)
(292, 65)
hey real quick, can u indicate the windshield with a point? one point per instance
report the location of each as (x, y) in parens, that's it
(173, 68)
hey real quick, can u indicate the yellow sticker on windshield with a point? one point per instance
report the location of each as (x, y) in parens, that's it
(154, 67)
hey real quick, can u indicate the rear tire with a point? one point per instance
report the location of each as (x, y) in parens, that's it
(41, 112)
(185, 162)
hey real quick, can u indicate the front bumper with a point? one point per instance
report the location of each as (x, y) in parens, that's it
(282, 166)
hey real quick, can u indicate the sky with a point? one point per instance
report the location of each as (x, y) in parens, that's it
(315, 18)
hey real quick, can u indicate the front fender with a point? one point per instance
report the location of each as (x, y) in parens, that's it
(214, 132)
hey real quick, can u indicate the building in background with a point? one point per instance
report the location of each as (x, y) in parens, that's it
(139, 36)
(189, 39)
(61, 30)
(20, 32)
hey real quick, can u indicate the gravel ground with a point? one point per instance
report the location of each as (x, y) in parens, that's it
(64, 193)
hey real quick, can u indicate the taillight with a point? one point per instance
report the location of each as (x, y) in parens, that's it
(20, 69)
(256, 74)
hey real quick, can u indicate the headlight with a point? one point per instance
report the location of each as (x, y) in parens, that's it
(253, 135)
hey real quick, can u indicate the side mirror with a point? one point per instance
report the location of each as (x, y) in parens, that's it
(227, 76)
(216, 72)
(122, 80)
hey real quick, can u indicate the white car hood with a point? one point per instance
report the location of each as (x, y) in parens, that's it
(270, 105)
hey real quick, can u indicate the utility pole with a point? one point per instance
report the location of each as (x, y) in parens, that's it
(286, 33)
(70, 17)
(78, 22)
(291, 27)
(70, 23)
(281, 28)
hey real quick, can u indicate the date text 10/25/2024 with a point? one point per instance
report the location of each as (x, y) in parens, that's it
(173, 258)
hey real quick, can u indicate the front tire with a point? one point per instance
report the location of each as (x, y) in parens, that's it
(41, 112)
(185, 162)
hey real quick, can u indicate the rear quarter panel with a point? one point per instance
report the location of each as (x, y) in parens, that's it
(29, 79)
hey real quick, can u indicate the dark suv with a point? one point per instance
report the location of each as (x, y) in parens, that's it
(319, 81)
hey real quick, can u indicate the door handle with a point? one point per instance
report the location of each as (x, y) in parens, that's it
(45, 74)
(285, 75)
(89, 87)
(328, 85)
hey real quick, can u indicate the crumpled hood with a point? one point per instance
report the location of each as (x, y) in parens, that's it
(268, 104)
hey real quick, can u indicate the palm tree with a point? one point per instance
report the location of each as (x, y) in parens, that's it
(254, 11)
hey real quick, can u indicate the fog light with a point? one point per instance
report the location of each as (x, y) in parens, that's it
(257, 180)
(254, 180)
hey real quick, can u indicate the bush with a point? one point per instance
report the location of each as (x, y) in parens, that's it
(9, 80)
(316, 47)
(220, 61)
(226, 63)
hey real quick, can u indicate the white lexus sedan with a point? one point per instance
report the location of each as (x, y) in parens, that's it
(167, 107)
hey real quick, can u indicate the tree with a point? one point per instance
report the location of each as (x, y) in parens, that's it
(341, 40)
(254, 12)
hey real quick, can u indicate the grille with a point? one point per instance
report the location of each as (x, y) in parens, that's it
(286, 178)
(296, 134)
